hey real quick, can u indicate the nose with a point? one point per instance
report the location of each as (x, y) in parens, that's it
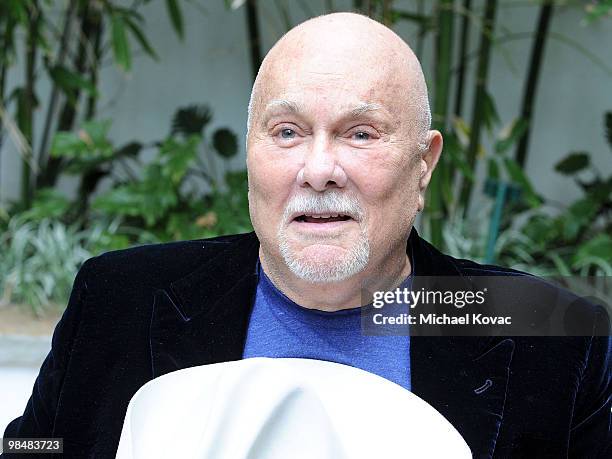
(321, 169)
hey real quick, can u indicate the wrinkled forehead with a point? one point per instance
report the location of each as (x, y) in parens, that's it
(351, 67)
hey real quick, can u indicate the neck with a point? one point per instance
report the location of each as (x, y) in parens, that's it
(389, 273)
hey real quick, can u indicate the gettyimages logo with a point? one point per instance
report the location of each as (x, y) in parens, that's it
(405, 295)
(515, 305)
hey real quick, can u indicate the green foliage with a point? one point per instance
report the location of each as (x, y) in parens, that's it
(537, 244)
(577, 240)
(225, 143)
(176, 17)
(455, 151)
(48, 204)
(499, 165)
(157, 193)
(191, 120)
(66, 45)
(133, 23)
(518, 176)
(573, 163)
(509, 135)
(231, 206)
(597, 9)
(68, 81)
(176, 194)
(126, 22)
(121, 47)
(180, 194)
(39, 259)
(90, 142)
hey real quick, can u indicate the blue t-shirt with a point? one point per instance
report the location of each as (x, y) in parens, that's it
(279, 327)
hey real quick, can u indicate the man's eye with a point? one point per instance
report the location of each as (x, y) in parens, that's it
(361, 135)
(287, 133)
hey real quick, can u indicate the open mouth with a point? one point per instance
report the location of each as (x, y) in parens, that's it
(322, 218)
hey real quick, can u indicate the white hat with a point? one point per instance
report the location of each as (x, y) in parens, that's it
(263, 408)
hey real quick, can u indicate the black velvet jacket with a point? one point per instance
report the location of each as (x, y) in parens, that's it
(139, 313)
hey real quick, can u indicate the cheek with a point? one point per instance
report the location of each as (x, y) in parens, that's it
(271, 178)
(389, 190)
(382, 178)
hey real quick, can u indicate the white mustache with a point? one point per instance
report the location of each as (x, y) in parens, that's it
(329, 202)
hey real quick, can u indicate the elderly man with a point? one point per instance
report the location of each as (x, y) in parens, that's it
(339, 155)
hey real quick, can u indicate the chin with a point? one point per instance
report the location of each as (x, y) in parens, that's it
(324, 263)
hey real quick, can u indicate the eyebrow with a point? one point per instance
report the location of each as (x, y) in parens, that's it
(284, 104)
(363, 108)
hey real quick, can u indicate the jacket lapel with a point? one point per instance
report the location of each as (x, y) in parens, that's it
(464, 378)
(203, 318)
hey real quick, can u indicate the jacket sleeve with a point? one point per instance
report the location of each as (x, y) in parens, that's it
(38, 418)
(590, 432)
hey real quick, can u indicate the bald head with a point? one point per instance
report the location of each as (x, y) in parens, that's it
(346, 48)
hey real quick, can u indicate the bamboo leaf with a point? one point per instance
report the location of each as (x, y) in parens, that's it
(68, 80)
(141, 38)
(121, 46)
(176, 17)
(518, 176)
(462, 130)
(456, 153)
(510, 135)
(492, 169)
(490, 117)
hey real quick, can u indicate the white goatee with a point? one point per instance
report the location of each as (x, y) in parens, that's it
(329, 202)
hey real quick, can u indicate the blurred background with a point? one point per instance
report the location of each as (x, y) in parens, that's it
(123, 123)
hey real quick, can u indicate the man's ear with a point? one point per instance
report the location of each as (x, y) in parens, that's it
(429, 160)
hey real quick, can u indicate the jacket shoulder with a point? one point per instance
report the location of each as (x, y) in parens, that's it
(472, 268)
(159, 264)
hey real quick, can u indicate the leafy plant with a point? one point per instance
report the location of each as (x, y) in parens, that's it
(577, 240)
(597, 9)
(176, 195)
(67, 54)
(40, 259)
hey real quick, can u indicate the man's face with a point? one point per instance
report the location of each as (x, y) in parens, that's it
(332, 163)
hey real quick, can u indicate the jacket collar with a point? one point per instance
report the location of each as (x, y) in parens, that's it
(203, 318)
